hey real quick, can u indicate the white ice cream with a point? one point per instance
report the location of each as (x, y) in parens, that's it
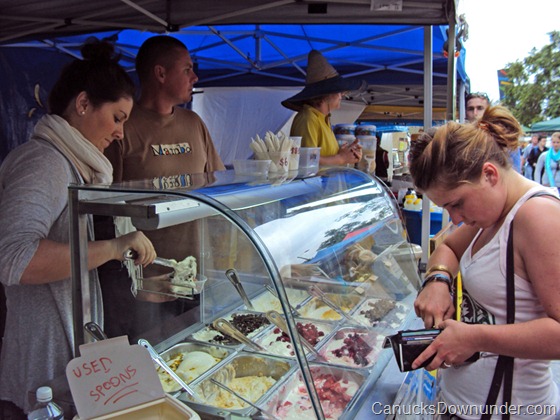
(188, 366)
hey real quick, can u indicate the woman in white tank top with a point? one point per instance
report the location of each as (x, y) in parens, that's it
(466, 169)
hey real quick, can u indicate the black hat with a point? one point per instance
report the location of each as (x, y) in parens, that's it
(322, 79)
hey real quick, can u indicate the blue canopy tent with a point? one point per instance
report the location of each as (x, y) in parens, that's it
(389, 57)
(254, 45)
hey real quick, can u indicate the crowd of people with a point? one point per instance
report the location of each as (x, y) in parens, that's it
(96, 131)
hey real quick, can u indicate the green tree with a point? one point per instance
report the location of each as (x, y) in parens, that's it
(534, 92)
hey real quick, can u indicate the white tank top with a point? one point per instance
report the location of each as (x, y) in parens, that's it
(484, 282)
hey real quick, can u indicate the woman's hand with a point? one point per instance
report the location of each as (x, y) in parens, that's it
(453, 346)
(434, 304)
(350, 152)
(138, 242)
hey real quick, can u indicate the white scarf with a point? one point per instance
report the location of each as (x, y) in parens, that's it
(92, 165)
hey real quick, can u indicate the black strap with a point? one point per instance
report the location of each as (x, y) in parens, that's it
(504, 365)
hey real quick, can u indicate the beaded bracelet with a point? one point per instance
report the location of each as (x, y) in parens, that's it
(439, 278)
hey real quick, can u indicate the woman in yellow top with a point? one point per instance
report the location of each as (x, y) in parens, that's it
(322, 93)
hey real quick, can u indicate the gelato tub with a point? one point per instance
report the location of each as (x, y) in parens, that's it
(268, 302)
(316, 309)
(251, 376)
(250, 324)
(279, 343)
(353, 347)
(189, 361)
(336, 387)
(386, 314)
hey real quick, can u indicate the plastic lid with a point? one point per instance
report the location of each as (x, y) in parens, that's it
(44, 394)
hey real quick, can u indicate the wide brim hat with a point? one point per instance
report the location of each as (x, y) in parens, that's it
(322, 79)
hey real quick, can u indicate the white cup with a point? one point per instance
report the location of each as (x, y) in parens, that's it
(294, 155)
(280, 161)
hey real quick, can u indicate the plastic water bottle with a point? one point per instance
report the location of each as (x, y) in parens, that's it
(46, 408)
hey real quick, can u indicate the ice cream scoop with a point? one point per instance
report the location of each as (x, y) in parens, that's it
(225, 327)
(319, 294)
(159, 360)
(242, 398)
(232, 276)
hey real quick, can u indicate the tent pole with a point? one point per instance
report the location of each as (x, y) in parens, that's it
(451, 73)
(428, 117)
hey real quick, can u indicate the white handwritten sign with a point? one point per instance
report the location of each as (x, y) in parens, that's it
(112, 375)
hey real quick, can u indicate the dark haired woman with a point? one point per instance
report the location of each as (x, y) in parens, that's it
(88, 106)
(466, 170)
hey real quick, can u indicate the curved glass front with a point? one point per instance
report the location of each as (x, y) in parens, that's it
(327, 253)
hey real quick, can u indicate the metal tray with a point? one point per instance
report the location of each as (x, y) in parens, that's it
(337, 389)
(285, 348)
(181, 352)
(365, 359)
(212, 336)
(240, 366)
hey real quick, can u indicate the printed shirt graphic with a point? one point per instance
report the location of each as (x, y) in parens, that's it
(171, 149)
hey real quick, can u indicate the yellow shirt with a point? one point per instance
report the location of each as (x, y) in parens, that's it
(315, 130)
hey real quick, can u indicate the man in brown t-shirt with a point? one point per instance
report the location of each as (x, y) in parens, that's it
(166, 144)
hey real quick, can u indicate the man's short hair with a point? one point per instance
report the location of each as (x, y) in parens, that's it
(480, 95)
(156, 50)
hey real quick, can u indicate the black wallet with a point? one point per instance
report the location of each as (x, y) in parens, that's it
(407, 346)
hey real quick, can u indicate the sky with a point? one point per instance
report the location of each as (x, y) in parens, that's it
(502, 32)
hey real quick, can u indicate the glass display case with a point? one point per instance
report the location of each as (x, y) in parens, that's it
(323, 257)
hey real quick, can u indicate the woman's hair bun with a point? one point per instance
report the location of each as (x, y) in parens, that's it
(95, 49)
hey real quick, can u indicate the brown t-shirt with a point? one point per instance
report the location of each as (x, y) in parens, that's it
(156, 146)
(166, 149)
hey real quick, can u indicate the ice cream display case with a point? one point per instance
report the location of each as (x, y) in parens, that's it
(277, 294)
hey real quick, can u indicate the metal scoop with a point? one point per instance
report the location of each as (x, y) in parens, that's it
(226, 328)
(245, 400)
(95, 331)
(314, 291)
(271, 290)
(232, 276)
(132, 255)
(280, 322)
(161, 363)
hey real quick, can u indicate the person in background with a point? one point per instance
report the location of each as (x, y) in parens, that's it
(534, 155)
(322, 94)
(476, 104)
(465, 168)
(167, 144)
(88, 106)
(528, 169)
(547, 171)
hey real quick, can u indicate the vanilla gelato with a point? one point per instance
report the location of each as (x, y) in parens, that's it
(268, 302)
(184, 272)
(316, 309)
(250, 387)
(188, 365)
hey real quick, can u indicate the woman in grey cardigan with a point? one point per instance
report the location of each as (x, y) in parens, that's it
(87, 109)
(547, 171)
